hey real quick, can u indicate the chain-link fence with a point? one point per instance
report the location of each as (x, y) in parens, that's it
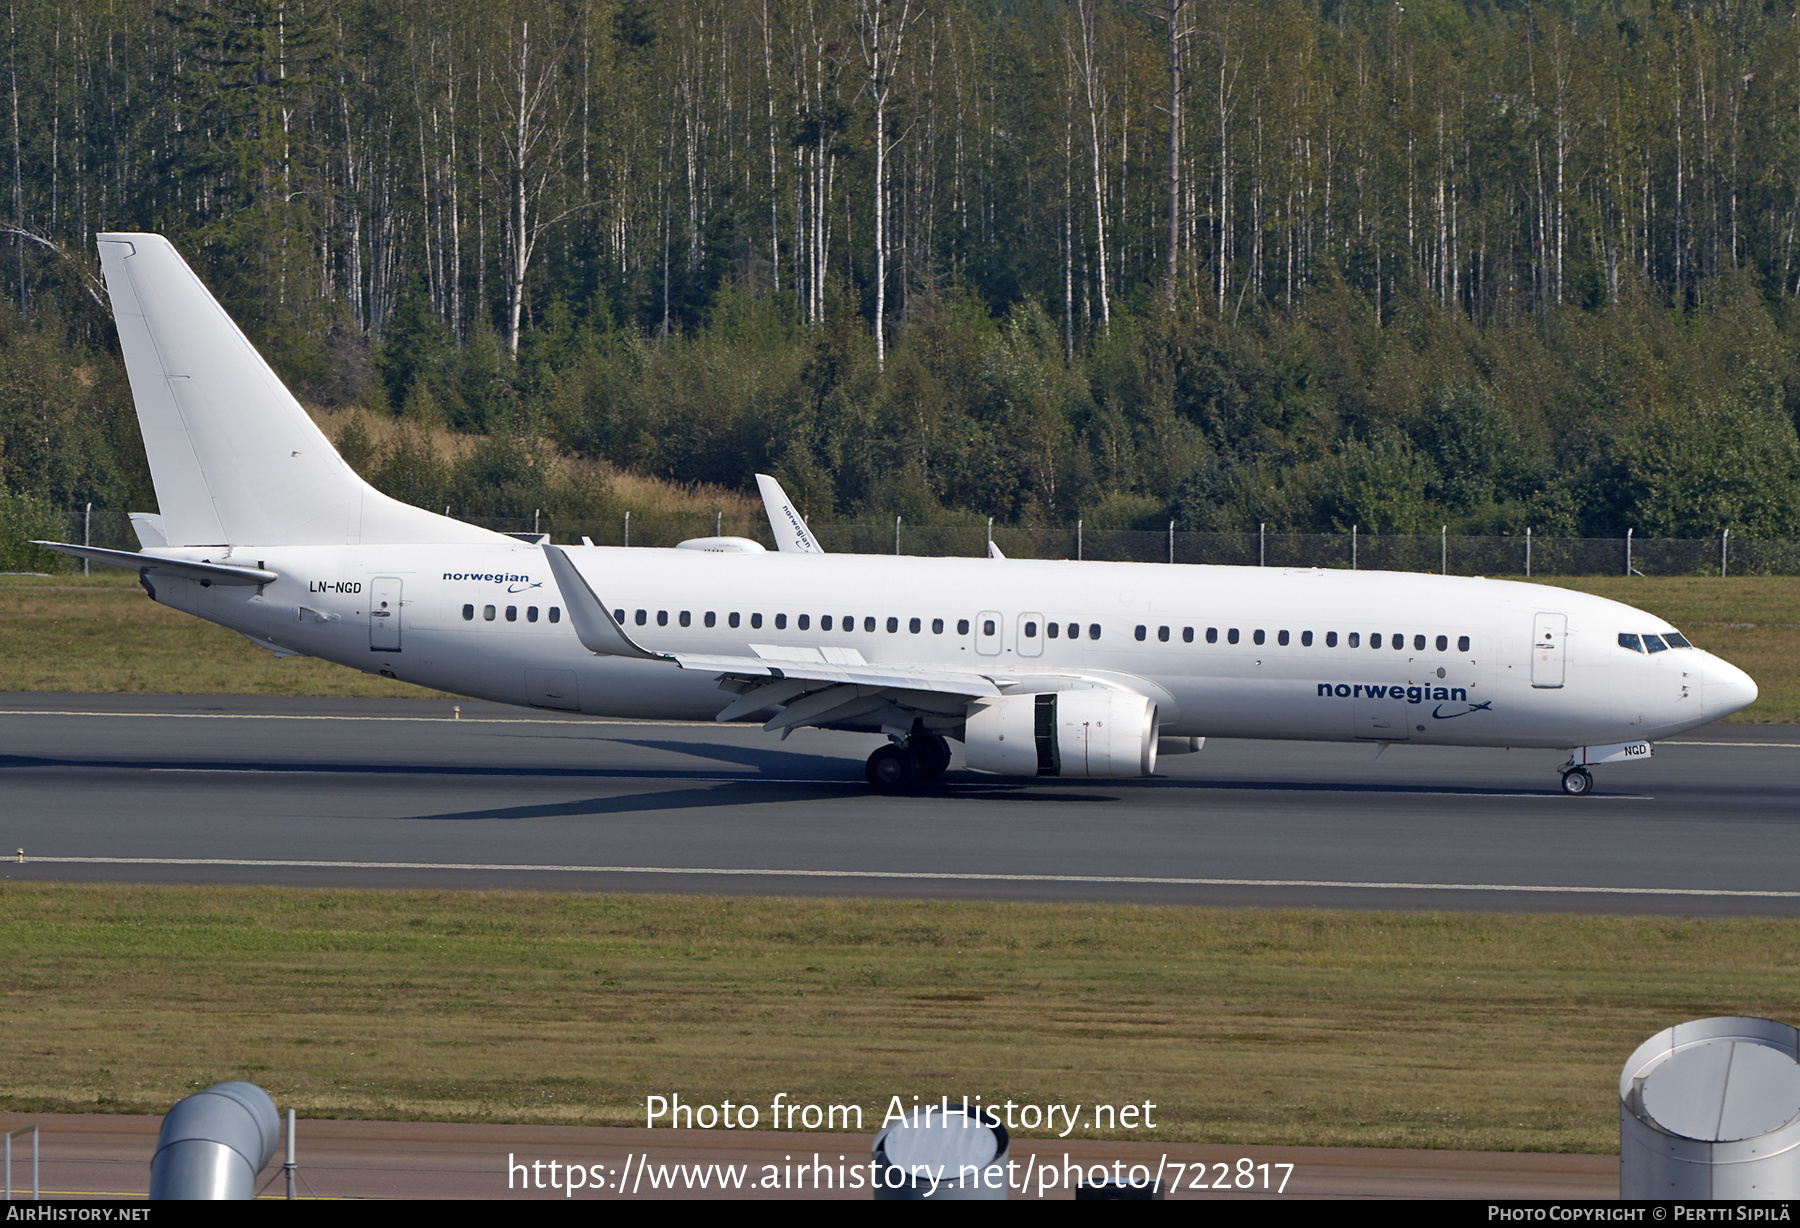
(1449, 553)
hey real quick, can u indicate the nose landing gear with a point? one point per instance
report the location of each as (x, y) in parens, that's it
(1577, 782)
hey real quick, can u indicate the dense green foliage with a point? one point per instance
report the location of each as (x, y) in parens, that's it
(1491, 266)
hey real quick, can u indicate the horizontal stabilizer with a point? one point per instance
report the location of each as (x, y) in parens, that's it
(181, 569)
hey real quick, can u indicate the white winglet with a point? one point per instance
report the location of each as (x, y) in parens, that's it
(791, 534)
(594, 624)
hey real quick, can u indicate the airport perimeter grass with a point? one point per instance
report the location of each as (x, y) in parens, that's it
(65, 633)
(1249, 1026)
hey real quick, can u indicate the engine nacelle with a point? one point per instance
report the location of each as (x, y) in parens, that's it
(1063, 733)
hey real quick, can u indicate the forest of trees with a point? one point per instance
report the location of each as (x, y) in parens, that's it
(1309, 263)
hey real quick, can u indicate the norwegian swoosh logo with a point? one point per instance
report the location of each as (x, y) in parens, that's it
(1438, 713)
(520, 588)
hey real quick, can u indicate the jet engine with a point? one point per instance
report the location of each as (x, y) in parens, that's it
(1063, 733)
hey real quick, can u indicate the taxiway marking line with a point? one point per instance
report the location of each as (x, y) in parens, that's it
(911, 875)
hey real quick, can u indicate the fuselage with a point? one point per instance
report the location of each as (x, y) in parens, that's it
(1223, 651)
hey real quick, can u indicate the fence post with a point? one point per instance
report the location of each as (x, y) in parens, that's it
(1724, 541)
(1353, 529)
(1079, 524)
(87, 533)
(1444, 550)
(990, 549)
(719, 524)
(536, 514)
(896, 535)
(1262, 543)
(290, 1166)
(1171, 541)
(1628, 533)
(627, 528)
(1528, 552)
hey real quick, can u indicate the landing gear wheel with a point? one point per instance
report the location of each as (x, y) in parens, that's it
(1577, 782)
(891, 769)
(932, 753)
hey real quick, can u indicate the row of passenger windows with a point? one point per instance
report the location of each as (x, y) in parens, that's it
(488, 613)
(1396, 640)
(804, 622)
(1653, 643)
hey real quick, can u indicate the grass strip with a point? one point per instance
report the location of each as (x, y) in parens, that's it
(1254, 1026)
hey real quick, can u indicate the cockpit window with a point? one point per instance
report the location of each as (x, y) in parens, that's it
(1676, 639)
(1627, 640)
(1654, 643)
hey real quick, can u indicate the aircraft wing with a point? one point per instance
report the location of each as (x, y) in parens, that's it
(185, 569)
(791, 534)
(810, 685)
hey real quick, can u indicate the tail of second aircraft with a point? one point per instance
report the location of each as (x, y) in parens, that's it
(235, 459)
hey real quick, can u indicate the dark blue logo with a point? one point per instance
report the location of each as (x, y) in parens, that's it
(1438, 713)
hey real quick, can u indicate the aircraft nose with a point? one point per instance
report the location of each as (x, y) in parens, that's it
(1728, 689)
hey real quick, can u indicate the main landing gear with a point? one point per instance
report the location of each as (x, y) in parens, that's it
(1577, 782)
(895, 768)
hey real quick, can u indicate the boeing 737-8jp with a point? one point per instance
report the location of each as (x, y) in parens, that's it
(1038, 668)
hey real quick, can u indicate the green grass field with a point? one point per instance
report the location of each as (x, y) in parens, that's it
(1414, 1030)
(65, 633)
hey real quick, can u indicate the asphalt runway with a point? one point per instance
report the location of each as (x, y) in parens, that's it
(397, 793)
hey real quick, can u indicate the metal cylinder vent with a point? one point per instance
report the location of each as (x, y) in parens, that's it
(943, 1155)
(214, 1143)
(1711, 1109)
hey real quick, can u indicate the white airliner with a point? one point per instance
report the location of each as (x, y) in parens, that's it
(1038, 668)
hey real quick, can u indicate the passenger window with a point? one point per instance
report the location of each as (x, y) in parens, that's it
(1375, 640)
(868, 624)
(1053, 630)
(914, 626)
(1212, 635)
(712, 619)
(618, 617)
(1399, 641)
(556, 613)
(731, 619)
(849, 622)
(1418, 643)
(937, 626)
(468, 613)
(1258, 636)
(1030, 629)
(803, 622)
(756, 622)
(1462, 643)
(1074, 631)
(1162, 634)
(531, 614)
(687, 619)
(1187, 635)
(987, 626)
(1231, 636)
(894, 626)
(1306, 639)
(662, 618)
(1627, 640)
(1281, 637)
(962, 626)
(487, 613)
(1093, 631)
(1443, 643)
(641, 617)
(781, 622)
(512, 613)
(824, 622)
(1354, 639)
(1655, 644)
(1139, 633)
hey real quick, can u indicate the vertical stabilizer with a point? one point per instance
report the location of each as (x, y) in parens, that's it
(235, 459)
(791, 534)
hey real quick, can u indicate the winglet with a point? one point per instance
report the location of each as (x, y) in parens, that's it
(791, 534)
(596, 628)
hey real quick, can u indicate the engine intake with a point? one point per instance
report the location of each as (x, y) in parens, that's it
(1094, 733)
